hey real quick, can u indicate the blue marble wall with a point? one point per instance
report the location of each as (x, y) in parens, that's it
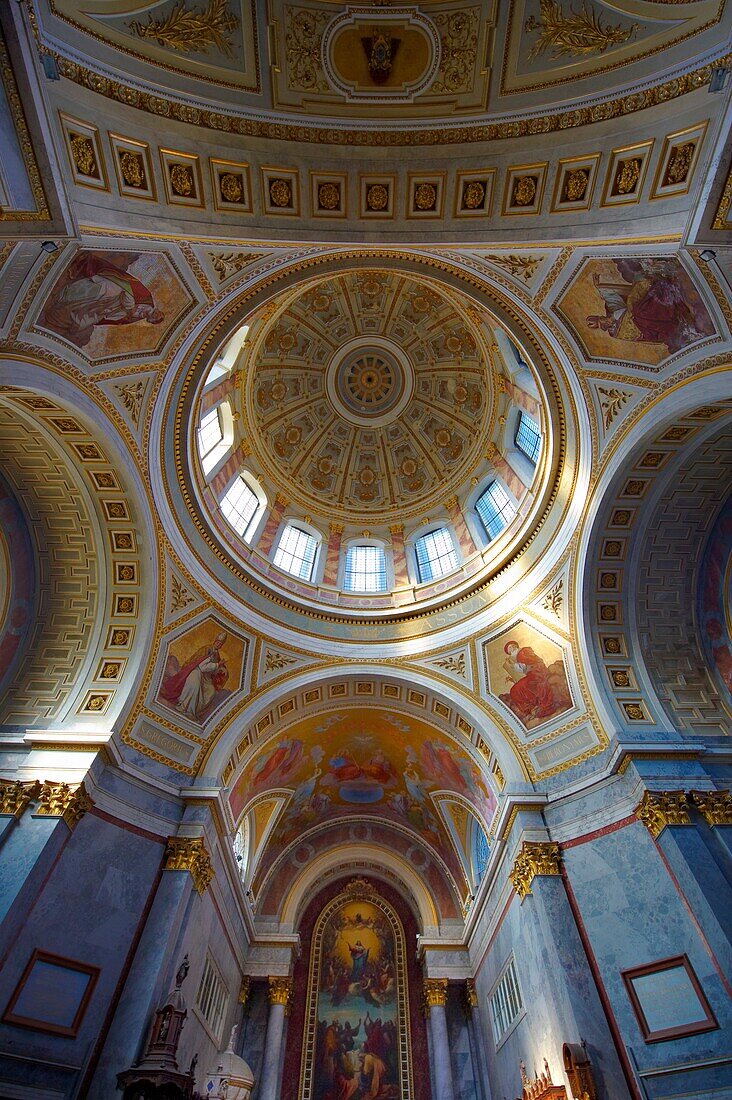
(86, 908)
(634, 914)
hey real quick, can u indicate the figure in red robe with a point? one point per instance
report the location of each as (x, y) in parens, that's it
(537, 692)
(93, 291)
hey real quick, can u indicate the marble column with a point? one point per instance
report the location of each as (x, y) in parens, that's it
(272, 525)
(467, 545)
(280, 998)
(186, 871)
(435, 1000)
(333, 556)
(685, 826)
(477, 1050)
(399, 556)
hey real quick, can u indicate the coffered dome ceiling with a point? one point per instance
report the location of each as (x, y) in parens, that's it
(369, 397)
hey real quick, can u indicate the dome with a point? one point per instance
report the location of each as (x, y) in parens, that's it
(369, 408)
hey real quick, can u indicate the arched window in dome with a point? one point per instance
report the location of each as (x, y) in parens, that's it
(215, 435)
(296, 552)
(528, 437)
(365, 569)
(436, 554)
(242, 506)
(210, 432)
(239, 844)
(481, 851)
(495, 509)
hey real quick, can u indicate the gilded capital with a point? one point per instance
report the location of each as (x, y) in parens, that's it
(716, 806)
(336, 528)
(64, 801)
(15, 796)
(471, 994)
(492, 452)
(451, 503)
(396, 529)
(658, 809)
(245, 989)
(280, 992)
(435, 993)
(183, 853)
(534, 858)
(281, 500)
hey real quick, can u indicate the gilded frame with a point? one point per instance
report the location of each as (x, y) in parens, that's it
(357, 890)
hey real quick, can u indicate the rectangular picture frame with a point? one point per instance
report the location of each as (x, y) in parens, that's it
(34, 989)
(675, 983)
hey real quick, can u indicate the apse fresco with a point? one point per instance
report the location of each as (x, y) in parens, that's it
(635, 309)
(355, 1007)
(526, 672)
(362, 761)
(202, 669)
(115, 303)
(715, 600)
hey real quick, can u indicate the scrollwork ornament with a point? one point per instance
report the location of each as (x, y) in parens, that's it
(658, 809)
(715, 806)
(16, 796)
(534, 858)
(435, 993)
(184, 853)
(62, 800)
(280, 993)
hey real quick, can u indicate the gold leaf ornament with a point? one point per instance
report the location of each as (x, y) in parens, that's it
(577, 33)
(191, 30)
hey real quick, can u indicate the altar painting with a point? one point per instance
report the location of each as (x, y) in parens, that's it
(357, 1005)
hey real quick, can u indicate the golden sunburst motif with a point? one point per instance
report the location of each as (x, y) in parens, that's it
(280, 193)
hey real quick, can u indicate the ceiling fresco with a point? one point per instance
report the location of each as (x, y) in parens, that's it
(363, 762)
(368, 395)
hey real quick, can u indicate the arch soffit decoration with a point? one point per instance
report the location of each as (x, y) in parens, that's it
(627, 503)
(378, 864)
(94, 682)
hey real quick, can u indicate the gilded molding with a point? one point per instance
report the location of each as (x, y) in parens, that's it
(658, 809)
(61, 800)
(159, 105)
(280, 993)
(7, 78)
(16, 796)
(434, 992)
(184, 853)
(716, 806)
(471, 994)
(721, 218)
(534, 858)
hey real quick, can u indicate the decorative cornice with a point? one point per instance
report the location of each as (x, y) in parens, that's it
(534, 858)
(15, 796)
(184, 853)
(280, 992)
(61, 800)
(657, 809)
(329, 134)
(434, 993)
(716, 806)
